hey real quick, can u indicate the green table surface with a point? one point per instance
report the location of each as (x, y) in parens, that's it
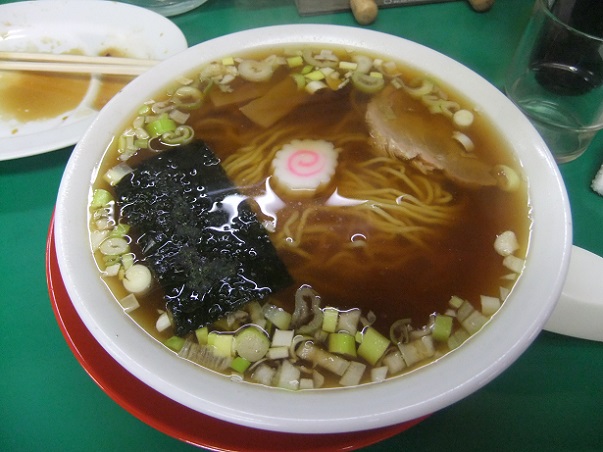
(550, 399)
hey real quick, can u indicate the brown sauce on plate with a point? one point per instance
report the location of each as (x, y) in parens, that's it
(33, 96)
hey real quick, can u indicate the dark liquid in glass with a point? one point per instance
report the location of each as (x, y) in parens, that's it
(571, 64)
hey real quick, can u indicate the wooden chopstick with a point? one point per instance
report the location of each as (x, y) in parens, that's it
(66, 63)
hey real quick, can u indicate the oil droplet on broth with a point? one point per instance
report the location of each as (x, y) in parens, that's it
(30, 96)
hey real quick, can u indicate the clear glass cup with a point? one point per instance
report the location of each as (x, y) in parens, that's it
(167, 7)
(556, 75)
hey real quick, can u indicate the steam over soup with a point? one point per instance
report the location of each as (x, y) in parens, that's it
(309, 218)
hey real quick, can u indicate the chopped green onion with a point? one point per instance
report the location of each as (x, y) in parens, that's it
(127, 260)
(462, 118)
(222, 343)
(364, 63)
(300, 80)
(100, 198)
(316, 60)
(464, 310)
(329, 321)
(204, 355)
(295, 61)
(315, 85)
(112, 270)
(506, 177)
(163, 322)
(277, 353)
(506, 243)
(186, 98)
(306, 383)
(129, 303)
(442, 328)
(251, 343)
(141, 143)
(120, 230)
(175, 343)
(282, 338)
(97, 237)
(342, 344)
(379, 373)
(348, 321)
(114, 246)
(367, 83)
(348, 65)
(394, 362)
(489, 304)
(514, 263)
(353, 374)
(201, 334)
(137, 279)
(425, 88)
(161, 125)
(255, 71)
(457, 338)
(278, 316)
(463, 140)
(373, 345)
(144, 110)
(474, 322)
(264, 374)
(287, 376)
(315, 75)
(307, 69)
(180, 135)
(319, 357)
(455, 302)
(240, 364)
(115, 174)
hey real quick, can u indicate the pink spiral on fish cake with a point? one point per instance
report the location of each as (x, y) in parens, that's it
(305, 163)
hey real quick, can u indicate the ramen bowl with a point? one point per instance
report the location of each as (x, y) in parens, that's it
(392, 401)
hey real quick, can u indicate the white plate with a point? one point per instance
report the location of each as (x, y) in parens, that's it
(90, 26)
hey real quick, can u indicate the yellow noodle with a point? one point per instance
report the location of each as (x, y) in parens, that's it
(400, 203)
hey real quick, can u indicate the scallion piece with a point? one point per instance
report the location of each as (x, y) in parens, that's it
(295, 61)
(353, 374)
(100, 198)
(342, 344)
(175, 343)
(161, 125)
(278, 316)
(120, 230)
(201, 335)
(137, 279)
(442, 328)
(240, 364)
(163, 322)
(252, 343)
(366, 83)
(282, 338)
(329, 321)
(373, 345)
(222, 343)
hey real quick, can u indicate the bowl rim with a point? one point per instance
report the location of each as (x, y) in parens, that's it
(401, 399)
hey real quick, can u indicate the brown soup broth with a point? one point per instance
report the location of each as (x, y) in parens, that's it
(387, 274)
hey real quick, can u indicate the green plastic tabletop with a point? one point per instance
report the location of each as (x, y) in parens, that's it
(551, 399)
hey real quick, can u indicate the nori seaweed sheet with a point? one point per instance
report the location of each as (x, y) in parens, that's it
(199, 236)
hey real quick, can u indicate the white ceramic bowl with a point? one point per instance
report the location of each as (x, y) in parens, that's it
(397, 400)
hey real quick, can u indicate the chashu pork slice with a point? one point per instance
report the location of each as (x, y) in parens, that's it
(398, 131)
